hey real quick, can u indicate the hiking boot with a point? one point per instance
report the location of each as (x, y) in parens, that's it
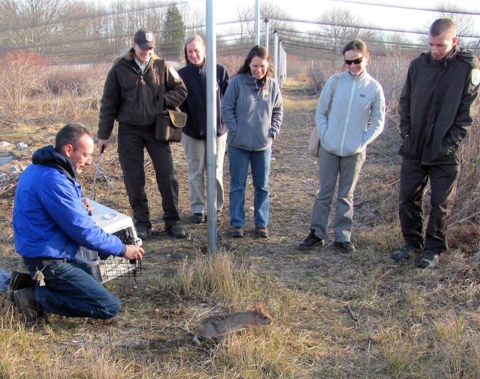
(237, 232)
(261, 231)
(24, 300)
(404, 253)
(143, 232)
(198, 218)
(176, 231)
(310, 242)
(430, 259)
(346, 246)
(19, 280)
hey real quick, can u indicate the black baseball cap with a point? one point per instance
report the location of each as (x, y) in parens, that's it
(144, 38)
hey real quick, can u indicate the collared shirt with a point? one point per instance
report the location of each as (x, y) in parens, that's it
(142, 66)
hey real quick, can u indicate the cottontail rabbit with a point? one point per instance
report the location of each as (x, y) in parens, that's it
(216, 326)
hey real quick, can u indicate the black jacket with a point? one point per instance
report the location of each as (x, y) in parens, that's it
(132, 97)
(196, 104)
(439, 101)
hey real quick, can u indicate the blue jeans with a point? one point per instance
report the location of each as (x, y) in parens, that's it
(260, 167)
(72, 292)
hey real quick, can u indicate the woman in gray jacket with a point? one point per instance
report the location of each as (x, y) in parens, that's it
(350, 114)
(252, 108)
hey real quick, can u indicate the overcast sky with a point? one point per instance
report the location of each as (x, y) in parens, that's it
(381, 16)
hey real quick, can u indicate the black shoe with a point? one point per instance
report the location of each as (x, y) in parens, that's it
(143, 232)
(310, 242)
(198, 218)
(430, 259)
(24, 300)
(19, 280)
(176, 231)
(218, 215)
(404, 253)
(346, 246)
(261, 231)
(237, 232)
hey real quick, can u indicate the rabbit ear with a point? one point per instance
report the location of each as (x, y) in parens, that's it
(259, 307)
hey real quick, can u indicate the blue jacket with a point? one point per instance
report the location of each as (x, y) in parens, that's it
(357, 113)
(253, 116)
(49, 218)
(195, 106)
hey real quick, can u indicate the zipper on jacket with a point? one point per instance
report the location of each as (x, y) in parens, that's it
(342, 143)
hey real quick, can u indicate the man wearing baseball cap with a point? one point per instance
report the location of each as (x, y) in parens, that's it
(130, 97)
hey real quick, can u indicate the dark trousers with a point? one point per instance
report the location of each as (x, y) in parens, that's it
(413, 182)
(132, 141)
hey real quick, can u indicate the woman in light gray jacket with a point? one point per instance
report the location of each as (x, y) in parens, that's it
(252, 108)
(350, 114)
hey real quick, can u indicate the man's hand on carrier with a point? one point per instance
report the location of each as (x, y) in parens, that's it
(134, 252)
(88, 207)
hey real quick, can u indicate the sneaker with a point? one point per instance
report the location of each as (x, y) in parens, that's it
(310, 242)
(237, 232)
(430, 259)
(143, 232)
(404, 253)
(346, 246)
(19, 280)
(261, 231)
(176, 231)
(198, 218)
(24, 300)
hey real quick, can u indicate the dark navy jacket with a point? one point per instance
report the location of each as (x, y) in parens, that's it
(195, 105)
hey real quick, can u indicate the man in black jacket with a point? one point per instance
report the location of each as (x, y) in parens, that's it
(130, 96)
(439, 102)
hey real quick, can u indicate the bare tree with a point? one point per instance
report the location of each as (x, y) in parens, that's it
(338, 26)
(33, 23)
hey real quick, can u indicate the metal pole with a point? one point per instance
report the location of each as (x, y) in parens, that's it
(211, 63)
(257, 22)
(275, 54)
(266, 33)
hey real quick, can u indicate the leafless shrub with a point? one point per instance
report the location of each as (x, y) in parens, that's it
(73, 91)
(320, 71)
(468, 192)
(21, 76)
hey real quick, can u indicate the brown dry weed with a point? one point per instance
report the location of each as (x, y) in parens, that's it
(336, 315)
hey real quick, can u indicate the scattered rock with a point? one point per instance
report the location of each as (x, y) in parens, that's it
(22, 146)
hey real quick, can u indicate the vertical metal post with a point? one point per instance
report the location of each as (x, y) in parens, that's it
(275, 54)
(266, 33)
(211, 62)
(257, 22)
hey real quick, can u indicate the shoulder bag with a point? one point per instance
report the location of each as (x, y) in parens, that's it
(169, 124)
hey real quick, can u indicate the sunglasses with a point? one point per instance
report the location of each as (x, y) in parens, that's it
(356, 61)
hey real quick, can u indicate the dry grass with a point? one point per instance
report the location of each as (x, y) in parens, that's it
(409, 323)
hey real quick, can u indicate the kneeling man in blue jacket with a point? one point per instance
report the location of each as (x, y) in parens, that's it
(50, 223)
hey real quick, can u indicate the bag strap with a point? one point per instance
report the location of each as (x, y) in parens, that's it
(334, 89)
(161, 74)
